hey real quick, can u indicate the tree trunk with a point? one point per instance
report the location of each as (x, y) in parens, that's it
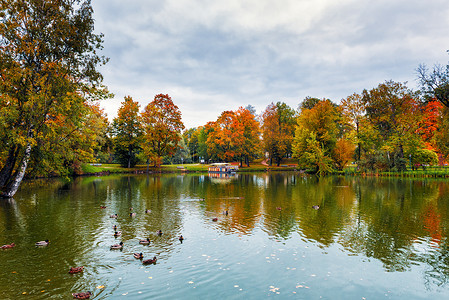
(6, 171)
(129, 156)
(14, 185)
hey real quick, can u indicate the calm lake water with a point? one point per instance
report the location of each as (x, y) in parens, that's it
(372, 238)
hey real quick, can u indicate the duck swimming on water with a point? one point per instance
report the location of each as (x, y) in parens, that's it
(42, 243)
(82, 295)
(150, 261)
(117, 246)
(316, 207)
(145, 242)
(12, 245)
(74, 270)
(138, 255)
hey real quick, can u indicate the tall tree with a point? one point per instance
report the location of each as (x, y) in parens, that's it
(246, 135)
(353, 108)
(220, 142)
(162, 128)
(278, 130)
(127, 131)
(316, 136)
(435, 83)
(48, 62)
(394, 111)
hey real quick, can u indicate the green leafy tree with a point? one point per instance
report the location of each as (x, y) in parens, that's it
(128, 132)
(394, 112)
(48, 75)
(278, 128)
(317, 130)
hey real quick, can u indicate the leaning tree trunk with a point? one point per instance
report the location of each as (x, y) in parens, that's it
(6, 171)
(12, 188)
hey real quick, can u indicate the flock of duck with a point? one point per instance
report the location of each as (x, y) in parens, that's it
(119, 246)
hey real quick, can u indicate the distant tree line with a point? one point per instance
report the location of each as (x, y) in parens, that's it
(51, 122)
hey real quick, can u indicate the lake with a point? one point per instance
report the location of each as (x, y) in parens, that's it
(371, 238)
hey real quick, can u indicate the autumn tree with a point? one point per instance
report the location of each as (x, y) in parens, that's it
(353, 109)
(278, 121)
(127, 132)
(48, 76)
(220, 143)
(394, 112)
(317, 132)
(162, 128)
(246, 135)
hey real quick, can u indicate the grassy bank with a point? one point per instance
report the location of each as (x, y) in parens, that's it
(87, 169)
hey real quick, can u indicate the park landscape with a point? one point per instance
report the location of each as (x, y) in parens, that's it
(321, 187)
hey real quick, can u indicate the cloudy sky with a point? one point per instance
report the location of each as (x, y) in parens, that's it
(216, 55)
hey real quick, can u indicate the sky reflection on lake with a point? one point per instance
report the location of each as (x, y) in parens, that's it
(371, 238)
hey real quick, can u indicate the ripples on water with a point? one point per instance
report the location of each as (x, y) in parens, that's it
(370, 239)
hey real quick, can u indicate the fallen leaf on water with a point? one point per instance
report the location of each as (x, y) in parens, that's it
(236, 285)
(100, 287)
(190, 282)
(42, 291)
(24, 293)
(14, 272)
(48, 279)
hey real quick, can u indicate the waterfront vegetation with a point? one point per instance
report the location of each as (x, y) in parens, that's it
(51, 123)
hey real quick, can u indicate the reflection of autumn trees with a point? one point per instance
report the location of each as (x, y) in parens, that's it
(398, 222)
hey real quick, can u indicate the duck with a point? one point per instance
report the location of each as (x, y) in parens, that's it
(113, 216)
(74, 270)
(147, 211)
(82, 295)
(145, 242)
(159, 232)
(138, 255)
(117, 233)
(150, 261)
(132, 214)
(215, 219)
(131, 208)
(117, 246)
(226, 212)
(7, 246)
(42, 243)
(316, 207)
(181, 238)
(102, 206)
(279, 208)
(114, 227)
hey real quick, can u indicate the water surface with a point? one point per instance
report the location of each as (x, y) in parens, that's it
(371, 238)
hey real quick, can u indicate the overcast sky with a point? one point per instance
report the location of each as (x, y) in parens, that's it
(216, 55)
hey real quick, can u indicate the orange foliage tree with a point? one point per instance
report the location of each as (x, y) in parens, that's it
(246, 135)
(162, 128)
(220, 142)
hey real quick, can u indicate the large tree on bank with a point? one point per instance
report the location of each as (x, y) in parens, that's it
(162, 127)
(48, 79)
